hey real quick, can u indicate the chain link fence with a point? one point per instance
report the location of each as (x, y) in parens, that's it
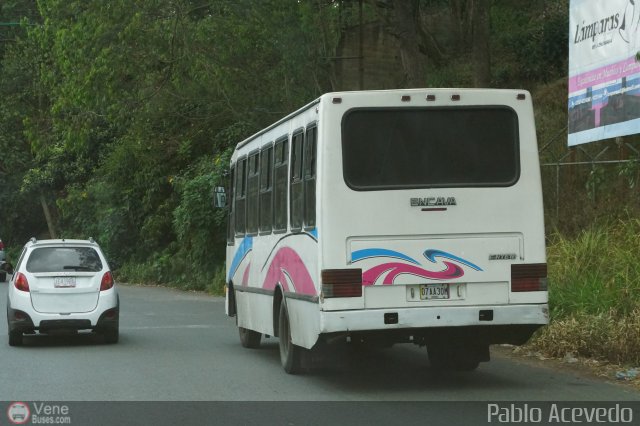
(589, 182)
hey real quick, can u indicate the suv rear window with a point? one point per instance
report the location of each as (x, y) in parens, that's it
(396, 148)
(64, 259)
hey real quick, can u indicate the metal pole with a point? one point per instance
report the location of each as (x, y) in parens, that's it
(361, 49)
(557, 194)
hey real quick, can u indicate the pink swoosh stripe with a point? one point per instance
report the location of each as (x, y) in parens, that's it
(287, 261)
(394, 269)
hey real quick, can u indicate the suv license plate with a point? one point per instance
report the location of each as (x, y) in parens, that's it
(434, 291)
(64, 282)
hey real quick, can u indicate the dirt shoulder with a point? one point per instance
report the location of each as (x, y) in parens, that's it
(601, 370)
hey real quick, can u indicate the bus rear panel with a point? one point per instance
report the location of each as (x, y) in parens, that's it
(423, 223)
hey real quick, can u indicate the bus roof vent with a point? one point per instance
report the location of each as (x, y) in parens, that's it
(405, 98)
(521, 96)
(455, 97)
(431, 98)
(337, 100)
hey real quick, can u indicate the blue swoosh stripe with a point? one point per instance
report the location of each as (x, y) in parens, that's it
(378, 252)
(432, 254)
(244, 248)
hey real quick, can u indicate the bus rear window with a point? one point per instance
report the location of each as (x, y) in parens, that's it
(392, 148)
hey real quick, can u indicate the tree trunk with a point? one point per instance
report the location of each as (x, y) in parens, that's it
(401, 22)
(404, 29)
(460, 23)
(480, 36)
(47, 216)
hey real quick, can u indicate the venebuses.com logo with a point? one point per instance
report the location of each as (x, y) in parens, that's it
(18, 413)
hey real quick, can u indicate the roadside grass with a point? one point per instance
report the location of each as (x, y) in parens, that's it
(594, 294)
(604, 336)
(177, 271)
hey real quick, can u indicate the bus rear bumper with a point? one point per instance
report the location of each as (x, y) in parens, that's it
(507, 324)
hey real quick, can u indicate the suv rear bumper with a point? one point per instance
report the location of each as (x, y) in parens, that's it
(22, 322)
(105, 315)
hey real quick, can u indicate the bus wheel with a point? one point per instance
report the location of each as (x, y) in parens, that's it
(249, 338)
(467, 365)
(290, 354)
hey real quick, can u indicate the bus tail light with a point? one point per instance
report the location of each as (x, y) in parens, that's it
(529, 277)
(341, 283)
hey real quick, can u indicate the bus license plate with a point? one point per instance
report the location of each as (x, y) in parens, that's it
(434, 291)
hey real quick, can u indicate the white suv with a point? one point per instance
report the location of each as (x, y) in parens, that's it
(61, 285)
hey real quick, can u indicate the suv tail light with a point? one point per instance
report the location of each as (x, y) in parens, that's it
(107, 281)
(21, 282)
(529, 277)
(342, 283)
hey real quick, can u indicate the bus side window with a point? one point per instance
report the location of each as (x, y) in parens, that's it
(231, 211)
(297, 188)
(241, 197)
(280, 185)
(266, 190)
(252, 195)
(309, 176)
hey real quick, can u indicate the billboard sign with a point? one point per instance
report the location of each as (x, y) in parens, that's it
(604, 76)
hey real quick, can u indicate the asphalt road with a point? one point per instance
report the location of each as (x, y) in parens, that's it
(179, 346)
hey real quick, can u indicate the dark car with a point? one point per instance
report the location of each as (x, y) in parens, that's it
(5, 267)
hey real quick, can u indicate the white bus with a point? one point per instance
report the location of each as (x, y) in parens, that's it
(380, 217)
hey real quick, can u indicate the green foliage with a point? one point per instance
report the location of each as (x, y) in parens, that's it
(595, 181)
(531, 40)
(596, 272)
(200, 229)
(630, 171)
(594, 294)
(20, 96)
(169, 269)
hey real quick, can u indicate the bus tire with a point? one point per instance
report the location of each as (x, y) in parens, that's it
(466, 364)
(290, 354)
(249, 338)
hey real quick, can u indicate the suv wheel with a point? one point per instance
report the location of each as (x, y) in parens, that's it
(111, 335)
(15, 338)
